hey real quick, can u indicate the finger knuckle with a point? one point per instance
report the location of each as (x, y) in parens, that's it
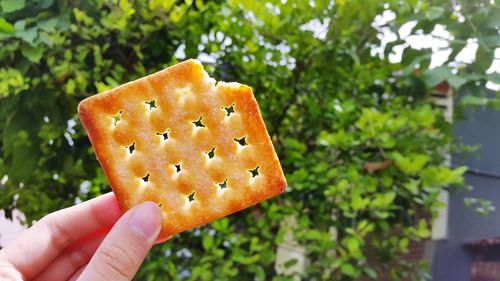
(78, 258)
(116, 260)
(59, 236)
(98, 215)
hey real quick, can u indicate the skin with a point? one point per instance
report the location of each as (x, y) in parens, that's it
(89, 241)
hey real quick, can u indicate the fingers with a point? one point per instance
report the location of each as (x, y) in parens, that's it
(73, 258)
(8, 272)
(43, 242)
(77, 274)
(123, 250)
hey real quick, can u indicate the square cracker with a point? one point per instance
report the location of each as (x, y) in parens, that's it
(198, 148)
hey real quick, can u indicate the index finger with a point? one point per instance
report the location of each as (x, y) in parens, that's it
(43, 242)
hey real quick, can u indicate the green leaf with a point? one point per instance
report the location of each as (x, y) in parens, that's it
(48, 25)
(178, 12)
(419, 161)
(126, 7)
(490, 41)
(457, 175)
(13, 82)
(412, 186)
(221, 225)
(403, 244)
(247, 260)
(166, 5)
(410, 164)
(370, 272)
(434, 12)
(115, 20)
(28, 35)
(199, 5)
(102, 87)
(349, 270)
(9, 6)
(471, 100)
(456, 81)
(436, 75)
(260, 274)
(423, 231)
(357, 202)
(313, 234)
(389, 197)
(484, 59)
(82, 17)
(411, 57)
(290, 263)
(6, 26)
(352, 244)
(207, 242)
(292, 143)
(492, 21)
(493, 77)
(44, 4)
(33, 54)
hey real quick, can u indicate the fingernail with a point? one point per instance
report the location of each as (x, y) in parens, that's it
(146, 220)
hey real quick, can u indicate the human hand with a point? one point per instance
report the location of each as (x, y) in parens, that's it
(89, 241)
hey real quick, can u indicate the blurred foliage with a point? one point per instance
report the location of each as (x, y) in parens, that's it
(359, 138)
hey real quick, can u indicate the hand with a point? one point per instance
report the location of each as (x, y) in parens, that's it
(81, 243)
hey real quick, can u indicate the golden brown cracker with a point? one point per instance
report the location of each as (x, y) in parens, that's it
(198, 148)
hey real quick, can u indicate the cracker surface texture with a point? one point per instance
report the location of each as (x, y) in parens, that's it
(198, 148)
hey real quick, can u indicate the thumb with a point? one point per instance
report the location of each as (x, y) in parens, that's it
(124, 248)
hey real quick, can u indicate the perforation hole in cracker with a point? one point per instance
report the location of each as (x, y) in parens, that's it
(211, 153)
(254, 172)
(223, 185)
(198, 123)
(151, 104)
(164, 135)
(191, 197)
(117, 117)
(229, 110)
(207, 170)
(177, 168)
(145, 178)
(242, 141)
(131, 148)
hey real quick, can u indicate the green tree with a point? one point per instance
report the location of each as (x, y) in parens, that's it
(359, 137)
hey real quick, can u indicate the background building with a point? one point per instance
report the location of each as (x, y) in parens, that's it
(469, 250)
